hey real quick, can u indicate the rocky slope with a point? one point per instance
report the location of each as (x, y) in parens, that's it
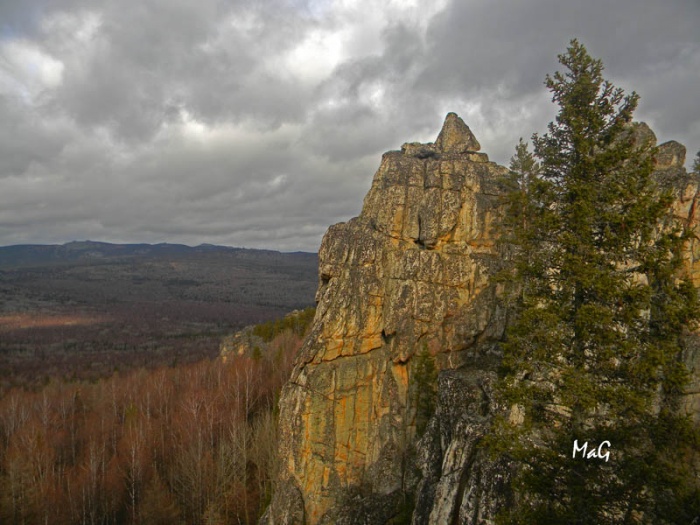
(410, 277)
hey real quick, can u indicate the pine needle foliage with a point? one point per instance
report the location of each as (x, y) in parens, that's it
(593, 349)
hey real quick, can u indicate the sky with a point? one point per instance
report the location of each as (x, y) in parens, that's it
(259, 124)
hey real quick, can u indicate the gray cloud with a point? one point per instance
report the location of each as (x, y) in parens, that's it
(259, 124)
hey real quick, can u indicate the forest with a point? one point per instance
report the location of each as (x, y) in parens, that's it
(195, 443)
(83, 310)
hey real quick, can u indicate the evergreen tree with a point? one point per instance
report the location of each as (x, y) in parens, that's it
(593, 352)
(521, 183)
(425, 376)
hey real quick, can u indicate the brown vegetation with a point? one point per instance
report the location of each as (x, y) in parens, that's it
(85, 310)
(190, 444)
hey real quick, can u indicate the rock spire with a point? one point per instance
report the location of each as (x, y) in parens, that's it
(456, 137)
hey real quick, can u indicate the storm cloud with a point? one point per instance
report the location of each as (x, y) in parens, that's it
(259, 124)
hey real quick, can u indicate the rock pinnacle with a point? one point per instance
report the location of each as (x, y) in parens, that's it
(456, 137)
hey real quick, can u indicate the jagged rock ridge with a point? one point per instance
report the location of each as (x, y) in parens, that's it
(412, 272)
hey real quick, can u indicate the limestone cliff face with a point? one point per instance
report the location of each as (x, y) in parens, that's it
(410, 274)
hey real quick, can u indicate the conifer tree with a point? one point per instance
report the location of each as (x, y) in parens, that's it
(592, 354)
(425, 376)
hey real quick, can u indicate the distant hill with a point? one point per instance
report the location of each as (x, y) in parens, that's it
(89, 251)
(92, 273)
(99, 306)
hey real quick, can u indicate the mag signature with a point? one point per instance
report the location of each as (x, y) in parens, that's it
(602, 452)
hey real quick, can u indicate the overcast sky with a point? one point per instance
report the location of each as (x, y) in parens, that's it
(259, 124)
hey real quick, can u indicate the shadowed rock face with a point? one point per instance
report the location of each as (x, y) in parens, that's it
(411, 272)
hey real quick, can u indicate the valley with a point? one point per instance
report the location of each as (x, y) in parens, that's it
(83, 310)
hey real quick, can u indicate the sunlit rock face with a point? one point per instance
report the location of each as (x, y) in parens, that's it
(412, 273)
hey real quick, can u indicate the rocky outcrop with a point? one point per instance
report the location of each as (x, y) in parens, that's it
(410, 275)
(669, 162)
(242, 343)
(254, 341)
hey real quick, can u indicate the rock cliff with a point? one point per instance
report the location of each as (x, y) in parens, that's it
(410, 277)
